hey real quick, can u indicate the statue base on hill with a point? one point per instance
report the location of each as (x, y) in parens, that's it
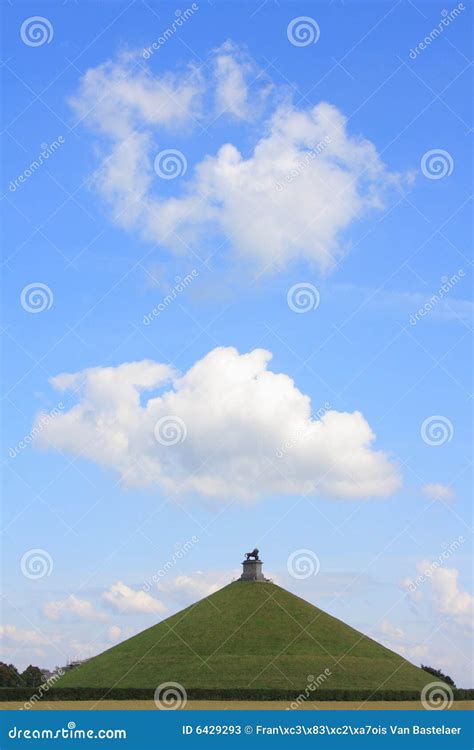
(252, 571)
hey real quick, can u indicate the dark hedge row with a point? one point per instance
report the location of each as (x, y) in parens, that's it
(269, 694)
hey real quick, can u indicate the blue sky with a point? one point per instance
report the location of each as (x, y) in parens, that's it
(110, 238)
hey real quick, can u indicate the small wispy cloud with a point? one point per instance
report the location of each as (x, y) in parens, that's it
(438, 492)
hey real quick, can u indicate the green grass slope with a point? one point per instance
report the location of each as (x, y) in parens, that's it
(249, 634)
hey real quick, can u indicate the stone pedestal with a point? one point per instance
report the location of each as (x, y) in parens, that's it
(252, 571)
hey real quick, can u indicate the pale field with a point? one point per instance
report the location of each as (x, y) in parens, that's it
(231, 705)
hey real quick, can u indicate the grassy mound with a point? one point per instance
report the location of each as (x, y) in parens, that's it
(253, 636)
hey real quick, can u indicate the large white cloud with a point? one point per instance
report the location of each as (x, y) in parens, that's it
(293, 196)
(226, 427)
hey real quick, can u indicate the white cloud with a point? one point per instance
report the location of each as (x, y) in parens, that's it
(114, 633)
(411, 587)
(396, 639)
(11, 635)
(245, 431)
(443, 308)
(288, 199)
(118, 96)
(120, 102)
(441, 585)
(81, 647)
(444, 648)
(121, 598)
(448, 598)
(197, 585)
(234, 73)
(390, 630)
(72, 608)
(416, 653)
(79, 650)
(438, 492)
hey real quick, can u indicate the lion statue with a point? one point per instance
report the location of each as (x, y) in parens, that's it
(253, 554)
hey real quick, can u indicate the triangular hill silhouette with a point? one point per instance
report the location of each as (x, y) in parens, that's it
(249, 634)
